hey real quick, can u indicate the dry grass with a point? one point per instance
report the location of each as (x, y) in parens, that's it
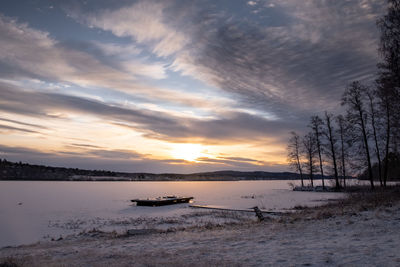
(10, 262)
(357, 200)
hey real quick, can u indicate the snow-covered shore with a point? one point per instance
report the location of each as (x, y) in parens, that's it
(330, 236)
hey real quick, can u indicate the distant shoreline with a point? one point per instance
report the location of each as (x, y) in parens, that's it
(99, 179)
(18, 171)
(29, 172)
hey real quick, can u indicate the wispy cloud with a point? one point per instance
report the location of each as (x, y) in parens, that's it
(181, 72)
(23, 123)
(233, 126)
(104, 66)
(295, 68)
(8, 128)
(142, 21)
(24, 48)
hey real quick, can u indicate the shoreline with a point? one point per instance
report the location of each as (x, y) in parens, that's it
(154, 180)
(358, 230)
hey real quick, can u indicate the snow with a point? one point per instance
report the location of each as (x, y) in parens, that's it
(367, 238)
(40, 210)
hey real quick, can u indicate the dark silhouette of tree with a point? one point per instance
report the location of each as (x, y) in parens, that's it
(388, 106)
(374, 117)
(343, 134)
(317, 127)
(329, 133)
(294, 149)
(309, 150)
(353, 98)
(389, 48)
(388, 82)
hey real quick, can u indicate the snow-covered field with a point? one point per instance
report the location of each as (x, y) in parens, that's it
(316, 238)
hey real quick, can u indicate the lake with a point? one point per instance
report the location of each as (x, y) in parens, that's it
(31, 211)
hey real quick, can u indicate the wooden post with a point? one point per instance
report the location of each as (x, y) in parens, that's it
(258, 214)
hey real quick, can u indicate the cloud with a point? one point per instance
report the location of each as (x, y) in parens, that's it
(240, 163)
(24, 49)
(231, 127)
(154, 71)
(43, 104)
(8, 128)
(23, 123)
(143, 21)
(85, 146)
(89, 159)
(119, 50)
(116, 160)
(271, 69)
(290, 68)
(19, 151)
(240, 159)
(115, 154)
(233, 161)
(91, 65)
(337, 23)
(297, 68)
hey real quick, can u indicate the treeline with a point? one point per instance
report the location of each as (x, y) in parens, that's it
(24, 171)
(365, 139)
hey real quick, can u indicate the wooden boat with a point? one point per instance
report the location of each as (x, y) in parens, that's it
(161, 201)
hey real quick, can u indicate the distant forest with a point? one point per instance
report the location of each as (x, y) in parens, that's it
(24, 171)
(365, 140)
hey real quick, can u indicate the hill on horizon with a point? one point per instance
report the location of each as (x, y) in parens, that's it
(25, 171)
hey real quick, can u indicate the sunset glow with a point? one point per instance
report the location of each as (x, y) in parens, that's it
(189, 152)
(174, 86)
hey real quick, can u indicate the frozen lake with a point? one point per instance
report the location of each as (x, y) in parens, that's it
(37, 210)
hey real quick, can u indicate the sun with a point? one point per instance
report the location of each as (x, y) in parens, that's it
(188, 152)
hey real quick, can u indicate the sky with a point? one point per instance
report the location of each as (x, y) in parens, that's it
(173, 85)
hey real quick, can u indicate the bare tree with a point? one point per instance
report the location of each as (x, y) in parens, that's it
(294, 149)
(341, 122)
(353, 98)
(309, 150)
(374, 117)
(387, 106)
(329, 133)
(389, 78)
(316, 125)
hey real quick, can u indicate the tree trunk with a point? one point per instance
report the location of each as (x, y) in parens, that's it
(320, 157)
(320, 166)
(343, 155)
(378, 153)
(385, 174)
(371, 179)
(299, 168)
(330, 137)
(316, 123)
(311, 170)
